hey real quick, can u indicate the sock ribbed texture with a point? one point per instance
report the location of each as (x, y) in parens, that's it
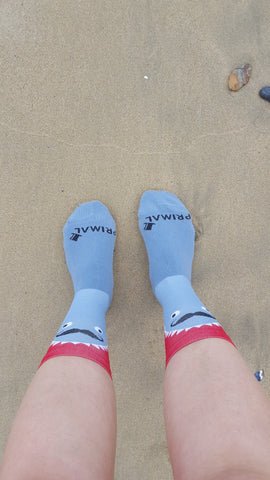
(169, 236)
(89, 237)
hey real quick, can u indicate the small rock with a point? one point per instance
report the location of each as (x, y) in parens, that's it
(265, 93)
(240, 77)
(259, 375)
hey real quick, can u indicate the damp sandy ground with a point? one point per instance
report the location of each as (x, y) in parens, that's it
(104, 100)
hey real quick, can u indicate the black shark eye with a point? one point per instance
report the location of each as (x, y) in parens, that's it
(67, 324)
(174, 314)
(99, 330)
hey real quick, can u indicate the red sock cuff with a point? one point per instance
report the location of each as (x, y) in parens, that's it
(98, 355)
(176, 341)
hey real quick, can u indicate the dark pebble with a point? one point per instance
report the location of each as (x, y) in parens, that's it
(265, 93)
(259, 375)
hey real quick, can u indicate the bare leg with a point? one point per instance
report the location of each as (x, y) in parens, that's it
(66, 425)
(217, 415)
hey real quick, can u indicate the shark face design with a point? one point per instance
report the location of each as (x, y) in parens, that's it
(179, 322)
(81, 338)
(177, 319)
(79, 335)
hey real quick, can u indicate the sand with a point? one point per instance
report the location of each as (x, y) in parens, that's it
(79, 122)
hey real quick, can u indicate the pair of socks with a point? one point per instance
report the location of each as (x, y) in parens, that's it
(168, 233)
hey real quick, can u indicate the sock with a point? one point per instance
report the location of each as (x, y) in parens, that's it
(168, 233)
(89, 237)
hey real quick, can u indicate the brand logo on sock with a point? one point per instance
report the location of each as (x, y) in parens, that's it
(169, 216)
(148, 226)
(91, 228)
(74, 236)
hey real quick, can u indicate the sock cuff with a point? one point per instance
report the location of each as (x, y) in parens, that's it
(175, 341)
(97, 354)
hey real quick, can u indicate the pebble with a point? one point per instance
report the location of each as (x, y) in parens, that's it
(265, 93)
(259, 375)
(239, 77)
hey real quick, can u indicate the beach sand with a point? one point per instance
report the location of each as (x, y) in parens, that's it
(79, 122)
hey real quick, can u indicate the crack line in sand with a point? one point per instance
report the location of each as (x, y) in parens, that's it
(63, 142)
(105, 145)
(215, 134)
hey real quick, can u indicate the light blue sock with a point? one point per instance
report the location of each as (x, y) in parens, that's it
(89, 237)
(169, 236)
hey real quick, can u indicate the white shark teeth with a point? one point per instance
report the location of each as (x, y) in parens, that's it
(172, 333)
(204, 325)
(100, 347)
(64, 343)
(80, 343)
